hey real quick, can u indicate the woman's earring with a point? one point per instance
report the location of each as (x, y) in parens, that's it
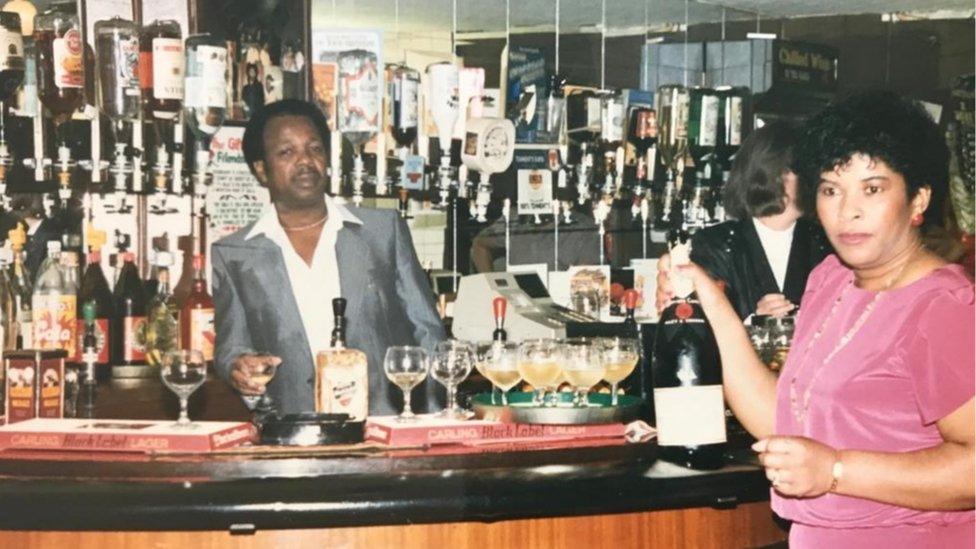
(917, 220)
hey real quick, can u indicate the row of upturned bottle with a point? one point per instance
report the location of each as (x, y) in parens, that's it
(135, 324)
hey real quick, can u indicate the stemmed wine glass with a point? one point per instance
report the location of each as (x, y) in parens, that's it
(582, 366)
(406, 366)
(262, 374)
(452, 362)
(620, 357)
(500, 366)
(183, 371)
(538, 364)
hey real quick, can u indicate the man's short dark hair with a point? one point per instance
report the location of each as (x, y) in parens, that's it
(755, 185)
(883, 126)
(253, 144)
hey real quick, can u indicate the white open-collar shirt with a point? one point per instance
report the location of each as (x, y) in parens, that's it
(777, 245)
(315, 285)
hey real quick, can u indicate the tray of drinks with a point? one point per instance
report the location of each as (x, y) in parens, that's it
(564, 409)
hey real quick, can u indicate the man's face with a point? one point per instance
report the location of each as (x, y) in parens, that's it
(295, 161)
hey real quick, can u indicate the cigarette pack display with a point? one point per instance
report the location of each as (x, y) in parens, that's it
(122, 435)
(34, 384)
(433, 431)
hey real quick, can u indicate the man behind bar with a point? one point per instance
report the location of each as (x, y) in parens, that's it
(274, 280)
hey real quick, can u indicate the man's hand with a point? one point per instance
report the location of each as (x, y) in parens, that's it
(774, 305)
(242, 369)
(664, 291)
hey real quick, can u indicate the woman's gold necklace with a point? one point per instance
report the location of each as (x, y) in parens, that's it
(800, 412)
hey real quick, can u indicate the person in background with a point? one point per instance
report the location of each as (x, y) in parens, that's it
(868, 434)
(765, 254)
(274, 280)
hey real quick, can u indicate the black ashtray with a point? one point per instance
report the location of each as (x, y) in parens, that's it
(309, 429)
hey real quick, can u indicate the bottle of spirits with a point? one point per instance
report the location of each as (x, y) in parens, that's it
(162, 316)
(498, 306)
(54, 304)
(90, 359)
(23, 290)
(117, 62)
(197, 316)
(205, 102)
(161, 68)
(341, 383)
(95, 292)
(405, 88)
(127, 331)
(60, 59)
(687, 372)
(8, 301)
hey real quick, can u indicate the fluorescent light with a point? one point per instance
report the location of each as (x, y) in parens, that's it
(761, 36)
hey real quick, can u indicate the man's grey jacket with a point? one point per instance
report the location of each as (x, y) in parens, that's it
(389, 302)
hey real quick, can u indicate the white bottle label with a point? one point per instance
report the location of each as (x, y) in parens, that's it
(202, 334)
(406, 90)
(359, 95)
(735, 120)
(343, 383)
(205, 84)
(69, 70)
(690, 416)
(708, 126)
(11, 50)
(167, 68)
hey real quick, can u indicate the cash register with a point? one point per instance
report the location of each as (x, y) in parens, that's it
(531, 311)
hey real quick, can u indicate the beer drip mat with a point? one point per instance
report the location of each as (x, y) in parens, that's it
(522, 409)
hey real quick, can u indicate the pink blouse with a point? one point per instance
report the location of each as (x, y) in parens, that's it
(910, 363)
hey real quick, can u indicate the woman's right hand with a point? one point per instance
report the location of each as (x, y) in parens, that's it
(711, 292)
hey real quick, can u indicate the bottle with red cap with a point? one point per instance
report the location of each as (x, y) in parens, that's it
(128, 330)
(498, 307)
(197, 316)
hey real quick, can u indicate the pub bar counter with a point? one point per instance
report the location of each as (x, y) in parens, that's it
(368, 496)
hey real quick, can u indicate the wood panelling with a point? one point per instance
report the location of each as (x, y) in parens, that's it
(748, 525)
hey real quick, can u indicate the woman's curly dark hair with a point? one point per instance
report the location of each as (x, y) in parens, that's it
(755, 186)
(883, 126)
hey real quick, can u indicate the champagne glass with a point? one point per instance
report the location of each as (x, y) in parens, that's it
(183, 371)
(501, 367)
(620, 357)
(452, 362)
(483, 353)
(582, 367)
(538, 364)
(406, 366)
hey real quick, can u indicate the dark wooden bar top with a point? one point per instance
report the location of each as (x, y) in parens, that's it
(256, 489)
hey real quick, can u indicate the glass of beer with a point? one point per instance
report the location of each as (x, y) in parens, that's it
(538, 364)
(620, 357)
(501, 367)
(406, 366)
(582, 367)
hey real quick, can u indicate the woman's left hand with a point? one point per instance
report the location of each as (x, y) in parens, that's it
(797, 466)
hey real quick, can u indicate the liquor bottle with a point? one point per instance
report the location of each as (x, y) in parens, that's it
(23, 290)
(341, 383)
(630, 306)
(161, 67)
(703, 130)
(89, 358)
(205, 92)
(405, 89)
(54, 304)
(60, 59)
(197, 316)
(672, 144)
(498, 306)
(162, 316)
(8, 301)
(11, 55)
(117, 64)
(687, 373)
(732, 125)
(128, 329)
(642, 134)
(95, 292)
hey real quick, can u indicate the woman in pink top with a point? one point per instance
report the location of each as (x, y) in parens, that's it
(867, 436)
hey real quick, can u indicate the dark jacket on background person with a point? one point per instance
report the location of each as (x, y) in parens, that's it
(733, 253)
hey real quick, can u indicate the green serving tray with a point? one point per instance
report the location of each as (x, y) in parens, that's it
(520, 409)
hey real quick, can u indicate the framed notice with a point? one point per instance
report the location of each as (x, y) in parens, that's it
(534, 180)
(235, 198)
